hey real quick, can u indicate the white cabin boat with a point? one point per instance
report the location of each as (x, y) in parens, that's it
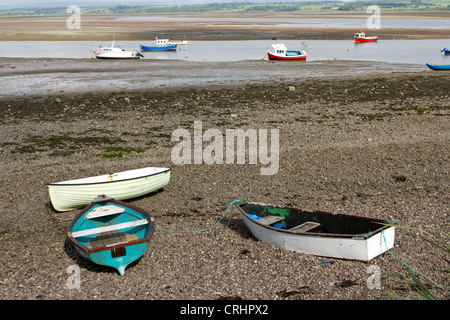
(280, 52)
(116, 52)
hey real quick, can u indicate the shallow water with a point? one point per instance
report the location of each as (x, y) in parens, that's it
(391, 51)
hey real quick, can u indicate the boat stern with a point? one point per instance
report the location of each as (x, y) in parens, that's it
(119, 258)
(381, 242)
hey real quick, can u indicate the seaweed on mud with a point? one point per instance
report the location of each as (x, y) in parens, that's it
(61, 144)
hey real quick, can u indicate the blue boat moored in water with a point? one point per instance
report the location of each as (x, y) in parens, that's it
(438, 67)
(161, 45)
(111, 233)
(445, 51)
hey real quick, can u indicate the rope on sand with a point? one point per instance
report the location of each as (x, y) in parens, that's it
(202, 230)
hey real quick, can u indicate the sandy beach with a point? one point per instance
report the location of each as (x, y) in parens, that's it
(373, 144)
(102, 28)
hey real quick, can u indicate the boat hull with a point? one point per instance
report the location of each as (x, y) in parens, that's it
(274, 56)
(350, 247)
(74, 194)
(172, 47)
(367, 39)
(111, 252)
(104, 258)
(438, 67)
(117, 55)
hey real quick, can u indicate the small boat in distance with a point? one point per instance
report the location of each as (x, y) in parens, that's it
(438, 67)
(116, 52)
(111, 233)
(179, 42)
(445, 51)
(319, 233)
(75, 194)
(280, 52)
(361, 37)
(161, 45)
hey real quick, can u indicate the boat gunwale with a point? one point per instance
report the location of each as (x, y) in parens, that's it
(103, 248)
(125, 57)
(62, 183)
(363, 236)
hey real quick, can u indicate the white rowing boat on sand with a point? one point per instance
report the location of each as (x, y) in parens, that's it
(319, 233)
(74, 194)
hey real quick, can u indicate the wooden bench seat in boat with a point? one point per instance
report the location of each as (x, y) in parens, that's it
(104, 211)
(304, 227)
(269, 220)
(111, 238)
(109, 228)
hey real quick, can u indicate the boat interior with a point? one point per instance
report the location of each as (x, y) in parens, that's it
(109, 225)
(293, 53)
(298, 220)
(111, 238)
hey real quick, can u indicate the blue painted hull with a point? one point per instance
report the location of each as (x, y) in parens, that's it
(159, 48)
(438, 67)
(114, 248)
(104, 257)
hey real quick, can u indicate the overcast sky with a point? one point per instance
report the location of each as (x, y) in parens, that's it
(10, 4)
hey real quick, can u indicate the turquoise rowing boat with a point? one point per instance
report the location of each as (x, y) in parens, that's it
(111, 233)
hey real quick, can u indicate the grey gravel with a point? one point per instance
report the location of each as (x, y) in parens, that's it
(368, 145)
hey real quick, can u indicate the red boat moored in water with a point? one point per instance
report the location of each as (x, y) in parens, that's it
(361, 37)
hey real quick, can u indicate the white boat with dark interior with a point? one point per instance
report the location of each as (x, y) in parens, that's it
(319, 233)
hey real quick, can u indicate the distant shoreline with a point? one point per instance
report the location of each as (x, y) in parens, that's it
(103, 28)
